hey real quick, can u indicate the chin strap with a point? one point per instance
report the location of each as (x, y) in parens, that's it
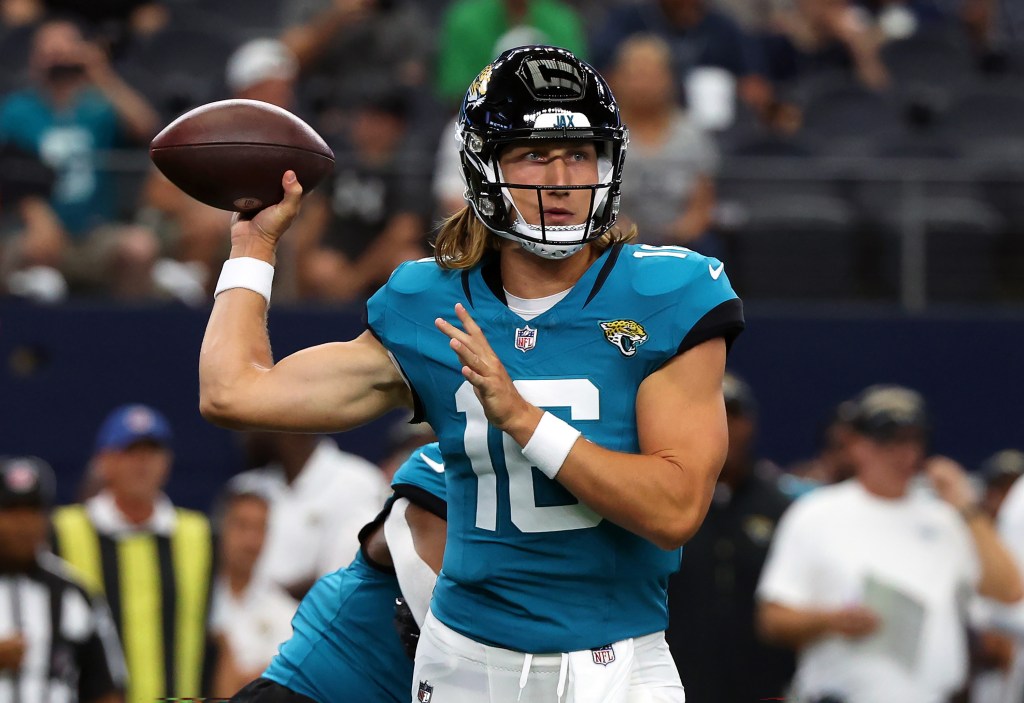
(552, 251)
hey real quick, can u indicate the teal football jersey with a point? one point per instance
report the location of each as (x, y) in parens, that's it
(527, 567)
(343, 636)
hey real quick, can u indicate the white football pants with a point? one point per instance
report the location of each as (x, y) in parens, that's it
(451, 668)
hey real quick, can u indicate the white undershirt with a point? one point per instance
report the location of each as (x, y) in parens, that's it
(529, 308)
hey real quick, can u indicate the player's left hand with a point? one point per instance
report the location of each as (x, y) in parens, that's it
(950, 482)
(502, 403)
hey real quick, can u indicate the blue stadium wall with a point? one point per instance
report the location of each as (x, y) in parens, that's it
(62, 369)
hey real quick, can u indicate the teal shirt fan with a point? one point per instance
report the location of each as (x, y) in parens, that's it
(526, 566)
(72, 142)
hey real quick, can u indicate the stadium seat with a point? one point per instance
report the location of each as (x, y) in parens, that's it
(842, 119)
(179, 68)
(962, 235)
(982, 118)
(766, 143)
(916, 62)
(252, 17)
(1014, 53)
(795, 247)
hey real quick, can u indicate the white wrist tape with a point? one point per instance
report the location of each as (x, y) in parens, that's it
(246, 272)
(550, 444)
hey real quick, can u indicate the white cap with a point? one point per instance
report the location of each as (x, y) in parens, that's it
(260, 60)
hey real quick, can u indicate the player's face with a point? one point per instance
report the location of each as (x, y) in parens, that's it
(554, 163)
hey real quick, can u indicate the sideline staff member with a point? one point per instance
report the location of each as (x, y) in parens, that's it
(150, 559)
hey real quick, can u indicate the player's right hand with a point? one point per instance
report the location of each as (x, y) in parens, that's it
(12, 651)
(854, 621)
(266, 227)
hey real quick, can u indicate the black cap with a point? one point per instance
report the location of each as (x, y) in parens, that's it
(884, 412)
(26, 482)
(739, 399)
(1007, 464)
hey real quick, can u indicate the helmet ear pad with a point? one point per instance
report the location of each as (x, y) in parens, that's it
(543, 93)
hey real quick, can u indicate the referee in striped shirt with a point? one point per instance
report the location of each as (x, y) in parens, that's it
(57, 644)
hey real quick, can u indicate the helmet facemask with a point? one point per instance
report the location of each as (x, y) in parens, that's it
(491, 195)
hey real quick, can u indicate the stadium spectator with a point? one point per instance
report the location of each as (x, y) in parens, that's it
(371, 214)
(1011, 529)
(753, 15)
(819, 36)
(18, 22)
(447, 187)
(263, 69)
(76, 109)
(320, 498)
(830, 465)
(346, 46)
(899, 19)
(250, 617)
(336, 651)
(57, 642)
(596, 529)
(190, 236)
(473, 32)
(151, 560)
(20, 13)
(31, 234)
(999, 643)
(999, 473)
(111, 20)
(711, 598)
(867, 579)
(670, 193)
(708, 49)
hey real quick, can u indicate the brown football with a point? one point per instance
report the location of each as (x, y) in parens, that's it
(231, 154)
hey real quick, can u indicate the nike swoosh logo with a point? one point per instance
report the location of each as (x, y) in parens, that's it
(435, 465)
(716, 272)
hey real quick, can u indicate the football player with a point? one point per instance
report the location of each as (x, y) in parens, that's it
(574, 381)
(344, 645)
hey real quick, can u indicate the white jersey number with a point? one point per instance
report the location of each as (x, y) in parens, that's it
(581, 397)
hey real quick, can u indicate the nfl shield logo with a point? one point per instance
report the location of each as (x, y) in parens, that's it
(603, 655)
(526, 338)
(425, 692)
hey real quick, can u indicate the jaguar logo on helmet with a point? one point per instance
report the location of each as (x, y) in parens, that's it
(553, 79)
(478, 88)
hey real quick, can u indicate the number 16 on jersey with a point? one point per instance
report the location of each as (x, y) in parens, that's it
(581, 396)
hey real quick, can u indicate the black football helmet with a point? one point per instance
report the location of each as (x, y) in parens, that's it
(539, 92)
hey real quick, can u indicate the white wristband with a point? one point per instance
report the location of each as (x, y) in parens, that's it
(550, 444)
(246, 272)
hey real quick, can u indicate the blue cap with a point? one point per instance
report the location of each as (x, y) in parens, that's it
(133, 423)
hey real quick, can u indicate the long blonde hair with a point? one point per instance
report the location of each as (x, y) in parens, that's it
(462, 240)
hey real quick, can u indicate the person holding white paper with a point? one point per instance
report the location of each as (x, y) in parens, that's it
(869, 579)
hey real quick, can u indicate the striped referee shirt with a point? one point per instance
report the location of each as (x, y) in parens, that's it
(72, 654)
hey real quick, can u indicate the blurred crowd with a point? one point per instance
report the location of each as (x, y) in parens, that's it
(874, 571)
(829, 87)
